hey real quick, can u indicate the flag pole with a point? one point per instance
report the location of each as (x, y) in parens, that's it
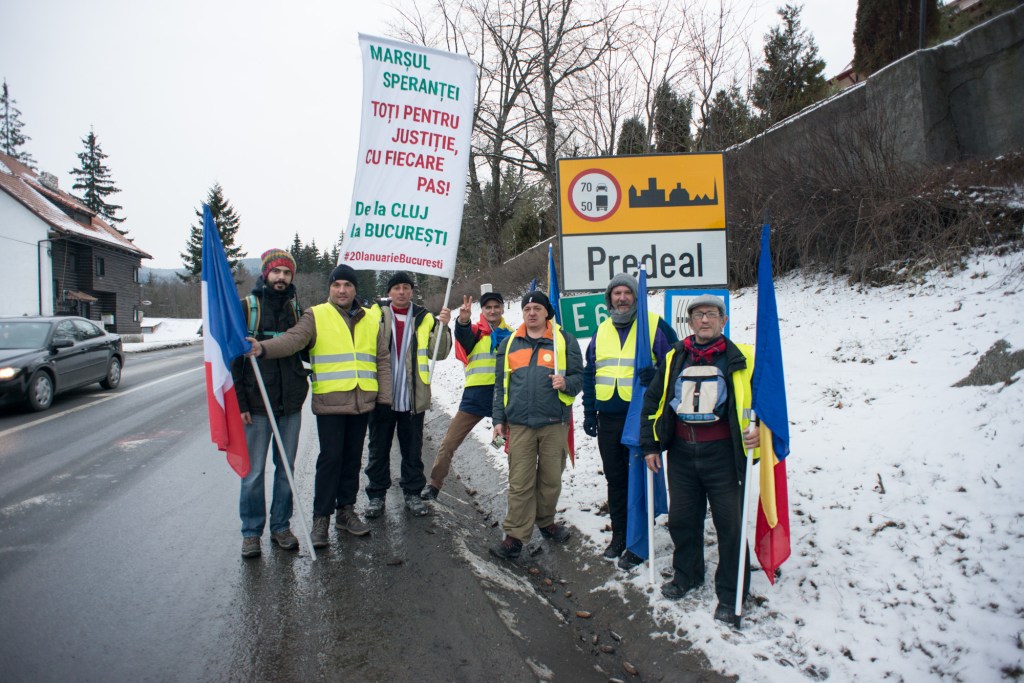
(437, 340)
(650, 522)
(284, 458)
(743, 529)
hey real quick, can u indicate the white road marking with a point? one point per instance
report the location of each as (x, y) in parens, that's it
(54, 416)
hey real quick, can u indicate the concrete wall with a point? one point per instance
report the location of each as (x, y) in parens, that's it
(20, 235)
(960, 100)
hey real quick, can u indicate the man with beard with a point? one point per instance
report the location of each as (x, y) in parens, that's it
(270, 310)
(475, 347)
(348, 354)
(607, 391)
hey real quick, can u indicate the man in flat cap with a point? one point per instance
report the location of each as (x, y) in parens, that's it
(697, 408)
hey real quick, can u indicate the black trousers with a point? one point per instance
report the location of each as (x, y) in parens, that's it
(384, 422)
(337, 468)
(698, 474)
(615, 462)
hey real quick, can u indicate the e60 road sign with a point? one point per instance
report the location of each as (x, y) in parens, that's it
(581, 315)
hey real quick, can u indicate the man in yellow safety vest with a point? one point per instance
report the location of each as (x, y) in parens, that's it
(351, 365)
(475, 347)
(607, 391)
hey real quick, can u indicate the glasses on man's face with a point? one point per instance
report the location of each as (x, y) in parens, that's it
(709, 315)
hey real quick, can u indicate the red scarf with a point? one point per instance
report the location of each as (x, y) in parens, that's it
(706, 355)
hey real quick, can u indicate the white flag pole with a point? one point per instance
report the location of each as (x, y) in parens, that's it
(743, 529)
(440, 332)
(284, 459)
(650, 522)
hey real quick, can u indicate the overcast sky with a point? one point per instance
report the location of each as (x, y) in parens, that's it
(260, 96)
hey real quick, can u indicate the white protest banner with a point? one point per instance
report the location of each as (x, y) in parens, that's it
(413, 158)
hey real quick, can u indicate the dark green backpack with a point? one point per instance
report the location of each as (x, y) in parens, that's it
(253, 313)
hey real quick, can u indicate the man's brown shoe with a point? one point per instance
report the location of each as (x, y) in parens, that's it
(251, 546)
(285, 540)
(348, 520)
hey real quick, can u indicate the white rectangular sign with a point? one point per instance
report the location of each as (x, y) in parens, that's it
(687, 258)
(414, 142)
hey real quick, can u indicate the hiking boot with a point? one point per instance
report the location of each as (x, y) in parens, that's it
(416, 506)
(251, 546)
(629, 560)
(285, 540)
(374, 508)
(318, 536)
(555, 532)
(616, 547)
(430, 492)
(725, 613)
(675, 591)
(348, 520)
(508, 549)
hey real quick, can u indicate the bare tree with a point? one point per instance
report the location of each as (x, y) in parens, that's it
(716, 33)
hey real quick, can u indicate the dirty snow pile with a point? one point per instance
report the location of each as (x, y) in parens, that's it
(905, 506)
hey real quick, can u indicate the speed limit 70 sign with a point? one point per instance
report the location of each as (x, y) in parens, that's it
(594, 195)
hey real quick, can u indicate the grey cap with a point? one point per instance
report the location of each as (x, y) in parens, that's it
(706, 300)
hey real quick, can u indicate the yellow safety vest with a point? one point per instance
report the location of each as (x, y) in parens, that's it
(614, 362)
(339, 362)
(480, 362)
(559, 354)
(740, 388)
(423, 348)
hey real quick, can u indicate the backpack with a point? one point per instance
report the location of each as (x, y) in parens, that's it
(252, 307)
(700, 391)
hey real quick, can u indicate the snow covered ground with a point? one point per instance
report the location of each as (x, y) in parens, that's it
(906, 514)
(168, 332)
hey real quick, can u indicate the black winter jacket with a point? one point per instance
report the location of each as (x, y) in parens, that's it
(286, 379)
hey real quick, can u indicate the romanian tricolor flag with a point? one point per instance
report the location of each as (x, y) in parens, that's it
(223, 341)
(771, 540)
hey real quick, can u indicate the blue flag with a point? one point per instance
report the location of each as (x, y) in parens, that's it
(553, 285)
(636, 500)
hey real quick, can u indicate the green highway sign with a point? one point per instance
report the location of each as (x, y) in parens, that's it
(582, 314)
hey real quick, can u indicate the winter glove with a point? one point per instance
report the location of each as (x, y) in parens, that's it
(590, 424)
(646, 375)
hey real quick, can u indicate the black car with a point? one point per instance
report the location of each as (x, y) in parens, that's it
(41, 357)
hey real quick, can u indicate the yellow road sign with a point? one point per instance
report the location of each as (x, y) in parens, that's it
(663, 192)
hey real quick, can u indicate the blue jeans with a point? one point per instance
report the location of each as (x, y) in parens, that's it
(252, 504)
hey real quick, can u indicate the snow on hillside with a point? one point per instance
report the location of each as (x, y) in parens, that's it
(905, 502)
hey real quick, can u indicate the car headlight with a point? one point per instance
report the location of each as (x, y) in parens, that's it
(9, 373)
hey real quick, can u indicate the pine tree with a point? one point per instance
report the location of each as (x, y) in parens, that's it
(886, 30)
(93, 178)
(12, 140)
(633, 139)
(672, 115)
(729, 120)
(227, 222)
(791, 77)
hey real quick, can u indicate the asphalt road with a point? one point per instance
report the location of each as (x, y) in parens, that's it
(119, 541)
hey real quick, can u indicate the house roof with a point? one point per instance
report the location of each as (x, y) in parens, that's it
(24, 185)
